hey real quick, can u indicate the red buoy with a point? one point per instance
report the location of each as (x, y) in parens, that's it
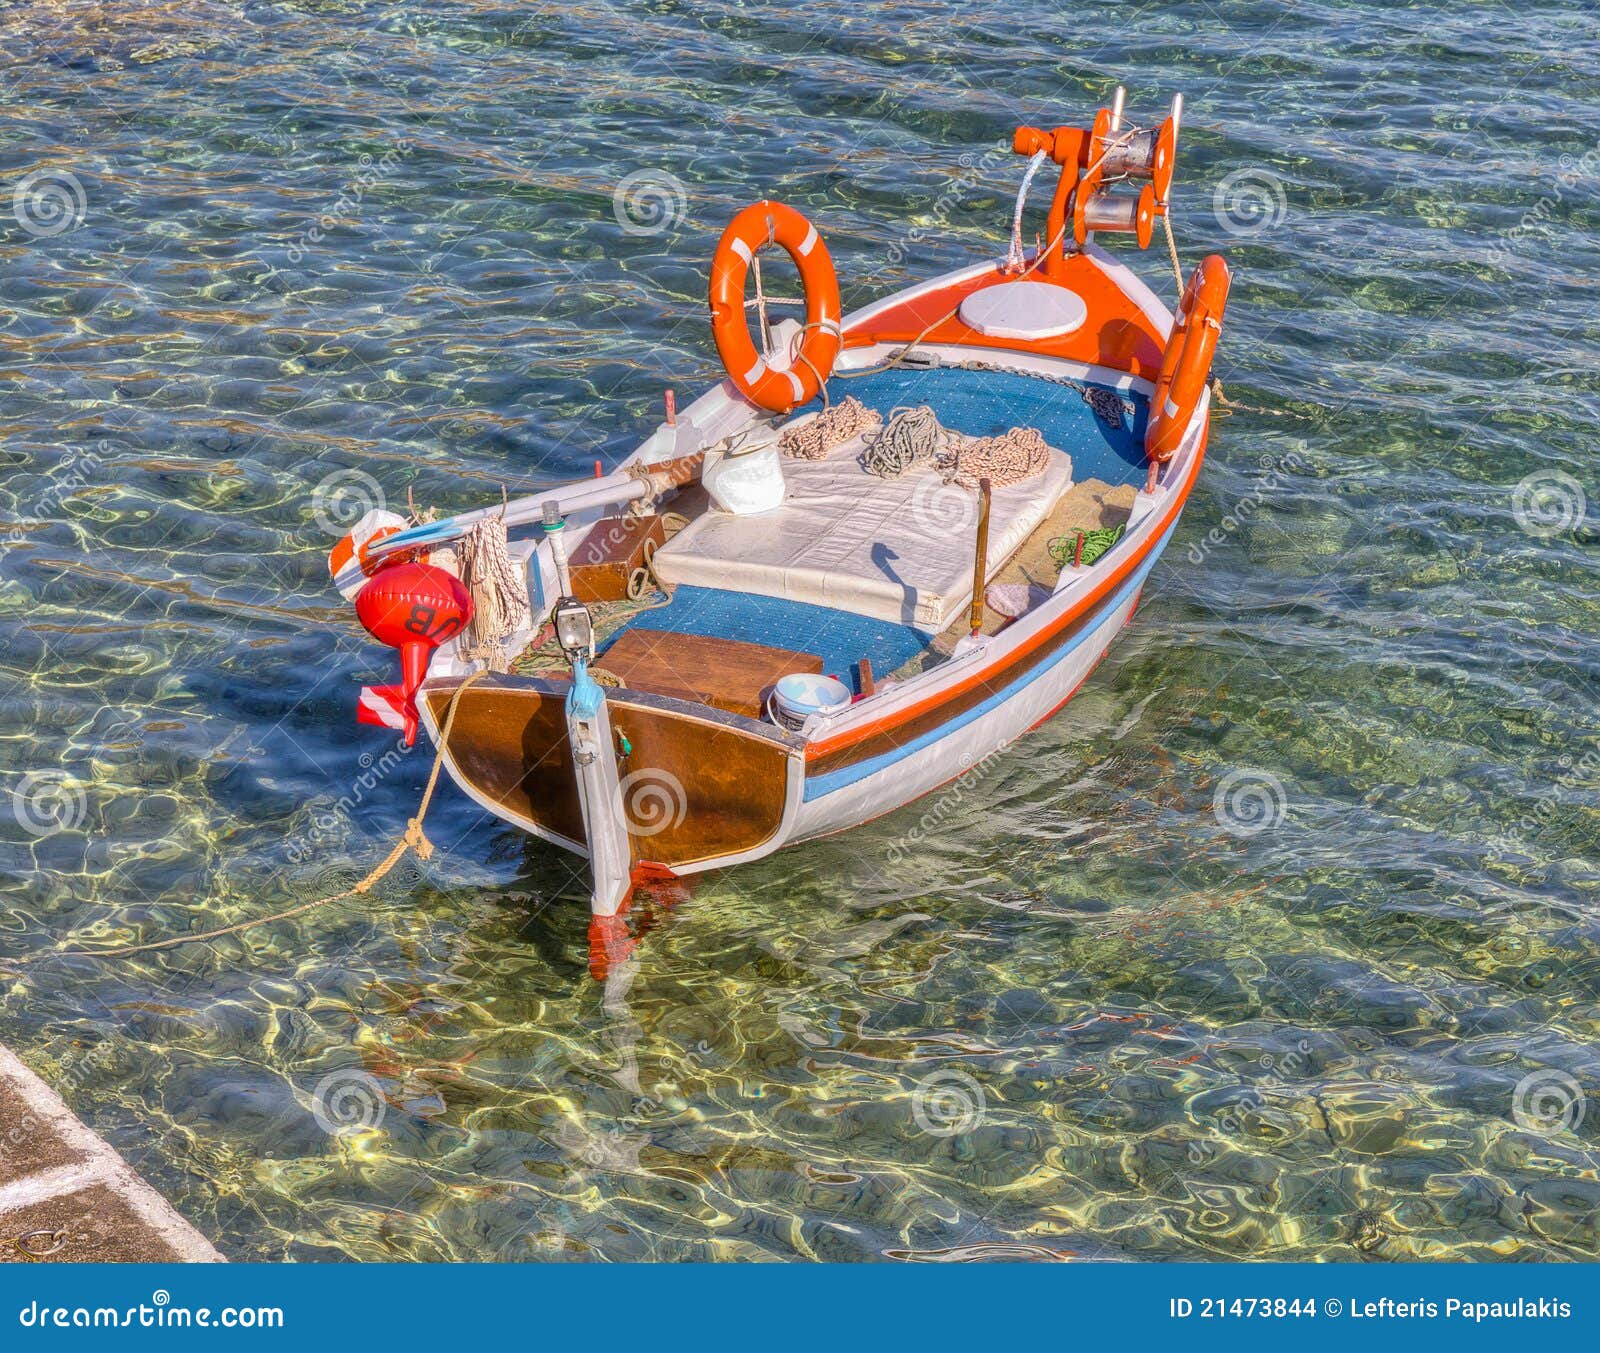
(415, 608)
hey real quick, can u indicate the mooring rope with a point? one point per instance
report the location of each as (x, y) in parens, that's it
(1172, 249)
(1014, 258)
(413, 839)
(1225, 405)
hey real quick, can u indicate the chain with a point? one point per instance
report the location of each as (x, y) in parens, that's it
(1095, 396)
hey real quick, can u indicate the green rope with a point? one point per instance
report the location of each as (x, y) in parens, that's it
(1064, 549)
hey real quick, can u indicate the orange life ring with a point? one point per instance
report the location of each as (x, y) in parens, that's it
(757, 226)
(1186, 364)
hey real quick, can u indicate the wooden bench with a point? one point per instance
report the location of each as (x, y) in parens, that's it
(724, 673)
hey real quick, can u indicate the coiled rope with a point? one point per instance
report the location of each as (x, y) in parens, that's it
(499, 592)
(813, 439)
(914, 437)
(1007, 459)
(413, 839)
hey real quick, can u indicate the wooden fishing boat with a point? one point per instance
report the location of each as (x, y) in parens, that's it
(888, 544)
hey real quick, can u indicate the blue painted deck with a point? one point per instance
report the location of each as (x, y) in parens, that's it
(840, 638)
(978, 403)
(987, 403)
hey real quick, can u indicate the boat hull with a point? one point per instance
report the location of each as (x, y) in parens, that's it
(699, 788)
(882, 773)
(702, 789)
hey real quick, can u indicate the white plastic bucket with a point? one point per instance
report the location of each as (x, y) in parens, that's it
(799, 695)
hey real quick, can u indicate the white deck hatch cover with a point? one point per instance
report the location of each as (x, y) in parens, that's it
(1024, 310)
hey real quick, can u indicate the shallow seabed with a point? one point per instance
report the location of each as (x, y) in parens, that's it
(1280, 942)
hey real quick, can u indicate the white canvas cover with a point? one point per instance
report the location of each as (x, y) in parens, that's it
(893, 549)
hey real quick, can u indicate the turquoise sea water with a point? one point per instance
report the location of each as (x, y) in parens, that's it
(1280, 942)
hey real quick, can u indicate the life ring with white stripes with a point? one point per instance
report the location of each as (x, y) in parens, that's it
(1186, 364)
(753, 229)
(351, 549)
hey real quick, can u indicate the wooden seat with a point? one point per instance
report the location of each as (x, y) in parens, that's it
(724, 673)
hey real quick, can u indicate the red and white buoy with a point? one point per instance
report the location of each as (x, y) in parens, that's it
(414, 608)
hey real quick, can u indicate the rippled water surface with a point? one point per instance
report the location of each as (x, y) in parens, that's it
(1280, 942)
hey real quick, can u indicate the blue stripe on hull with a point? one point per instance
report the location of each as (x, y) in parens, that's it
(817, 786)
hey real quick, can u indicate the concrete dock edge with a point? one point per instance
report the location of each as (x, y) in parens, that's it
(67, 1197)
